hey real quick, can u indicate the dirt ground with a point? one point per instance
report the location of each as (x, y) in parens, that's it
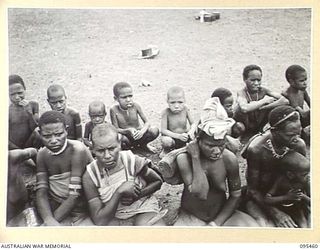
(87, 51)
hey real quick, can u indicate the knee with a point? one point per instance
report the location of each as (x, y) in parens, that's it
(154, 131)
(299, 146)
(125, 142)
(238, 129)
(167, 142)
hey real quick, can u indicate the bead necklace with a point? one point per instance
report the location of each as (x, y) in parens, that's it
(273, 151)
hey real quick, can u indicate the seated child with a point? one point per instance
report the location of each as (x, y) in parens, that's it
(254, 101)
(60, 166)
(174, 121)
(57, 100)
(290, 191)
(125, 117)
(120, 185)
(97, 113)
(226, 100)
(296, 93)
(23, 116)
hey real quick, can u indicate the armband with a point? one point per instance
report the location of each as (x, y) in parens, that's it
(75, 186)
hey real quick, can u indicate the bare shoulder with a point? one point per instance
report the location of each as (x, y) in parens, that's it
(77, 146)
(229, 158)
(114, 108)
(165, 112)
(256, 145)
(71, 111)
(43, 153)
(137, 106)
(241, 92)
(183, 158)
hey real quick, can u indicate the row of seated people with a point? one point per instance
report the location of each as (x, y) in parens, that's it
(204, 164)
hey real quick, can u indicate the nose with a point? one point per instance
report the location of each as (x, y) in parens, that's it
(53, 140)
(107, 154)
(58, 104)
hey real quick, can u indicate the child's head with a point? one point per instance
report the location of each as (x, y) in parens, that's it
(106, 145)
(252, 75)
(297, 77)
(16, 89)
(57, 97)
(176, 99)
(123, 94)
(53, 131)
(296, 167)
(97, 112)
(226, 99)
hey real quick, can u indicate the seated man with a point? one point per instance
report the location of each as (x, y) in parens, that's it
(205, 168)
(60, 166)
(120, 185)
(265, 154)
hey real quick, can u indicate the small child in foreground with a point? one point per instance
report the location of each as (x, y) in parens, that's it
(97, 113)
(174, 121)
(296, 93)
(290, 192)
(23, 115)
(125, 117)
(57, 100)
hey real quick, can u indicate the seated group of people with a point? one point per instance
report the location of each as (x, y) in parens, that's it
(96, 179)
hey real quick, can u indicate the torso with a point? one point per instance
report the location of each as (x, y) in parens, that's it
(177, 123)
(207, 210)
(21, 125)
(70, 122)
(127, 118)
(296, 99)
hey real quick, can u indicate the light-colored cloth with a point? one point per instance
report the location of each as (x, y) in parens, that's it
(214, 119)
(107, 184)
(59, 186)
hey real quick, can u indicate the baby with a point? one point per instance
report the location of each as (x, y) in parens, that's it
(174, 121)
(125, 117)
(58, 101)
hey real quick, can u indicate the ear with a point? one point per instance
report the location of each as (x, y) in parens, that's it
(115, 98)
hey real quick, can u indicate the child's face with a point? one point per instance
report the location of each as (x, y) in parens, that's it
(125, 98)
(53, 136)
(228, 105)
(97, 115)
(300, 81)
(57, 101)
(107, 150)
(176, 102)
(253, 81)
(16, 93)
(302, 177)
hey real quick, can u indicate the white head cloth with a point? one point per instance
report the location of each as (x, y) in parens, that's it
(214, 120)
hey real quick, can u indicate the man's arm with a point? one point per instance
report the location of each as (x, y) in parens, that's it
(232, 168)
(280, 100)
(246, 107)
(42, 200)
(78, 164)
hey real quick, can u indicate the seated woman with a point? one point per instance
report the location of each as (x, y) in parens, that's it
(265, 154)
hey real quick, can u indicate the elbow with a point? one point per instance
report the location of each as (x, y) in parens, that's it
(284, 101)
(158, 184)
(244, 109)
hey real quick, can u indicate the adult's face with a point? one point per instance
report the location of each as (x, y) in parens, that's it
(106, 149)
(289, 134)
(211, 148)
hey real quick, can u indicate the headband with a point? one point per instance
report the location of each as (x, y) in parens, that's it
(284, 118)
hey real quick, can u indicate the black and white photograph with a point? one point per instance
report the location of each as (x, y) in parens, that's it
(162, 117)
